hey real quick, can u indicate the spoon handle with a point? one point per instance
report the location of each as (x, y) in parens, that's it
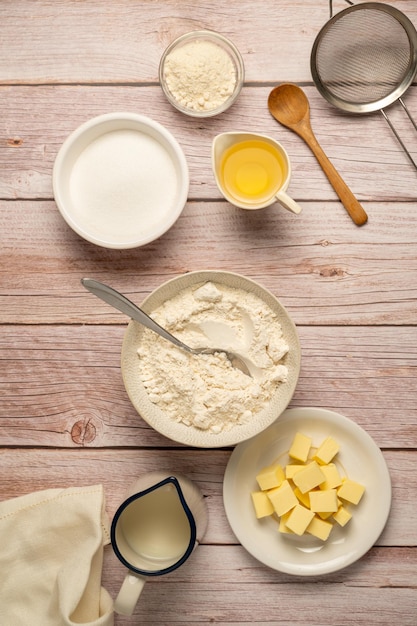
(351, 204)
(123, 304)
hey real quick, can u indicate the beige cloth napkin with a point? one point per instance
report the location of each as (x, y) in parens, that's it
(51, 556)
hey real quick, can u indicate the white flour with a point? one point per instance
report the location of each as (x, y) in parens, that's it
(200, 75)
(206, 391)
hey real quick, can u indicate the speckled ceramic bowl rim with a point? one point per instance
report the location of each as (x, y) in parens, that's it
(234, 54)
(190, 435)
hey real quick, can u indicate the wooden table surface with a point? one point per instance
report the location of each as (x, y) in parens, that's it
(65, 418)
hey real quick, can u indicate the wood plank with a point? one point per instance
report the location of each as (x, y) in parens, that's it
(236, 566)
(291, 605)
(362, 148)
(63, 386)
(122, 42)
(275, 40)
(224, 584)
(35, 470)
(324, 269)
(224, 571)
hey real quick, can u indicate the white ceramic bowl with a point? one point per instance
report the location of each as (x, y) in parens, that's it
(191, 435)
(359, 458)
(120, 180)
(206, 83)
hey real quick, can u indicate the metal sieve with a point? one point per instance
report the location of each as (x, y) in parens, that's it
(365, 58)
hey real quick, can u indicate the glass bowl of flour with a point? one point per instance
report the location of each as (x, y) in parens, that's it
(202, 400)
(120, 180)
(201, 73)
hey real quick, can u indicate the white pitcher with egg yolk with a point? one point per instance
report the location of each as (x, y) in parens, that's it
(257, 183)
(155, 530)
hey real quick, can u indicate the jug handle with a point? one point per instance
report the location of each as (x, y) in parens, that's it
(287, 202)
(129, 594)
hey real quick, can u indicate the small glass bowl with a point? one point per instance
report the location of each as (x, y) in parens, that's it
(233, 54)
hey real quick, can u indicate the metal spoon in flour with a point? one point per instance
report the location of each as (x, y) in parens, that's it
(123, 304)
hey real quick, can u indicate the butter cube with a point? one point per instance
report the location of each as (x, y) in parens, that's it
(326, 451)
(324, 515)
(310, 494)
(270, 477)
(324, 501)
(292, 469)
(283, 498)
(283, 524)
(309, 477)
(342, 516)
(333, 478)
(319, 528)
(300, 447)
(351, 491)
(304, 498)
(261, 504)
(299, 519)
(328, 514)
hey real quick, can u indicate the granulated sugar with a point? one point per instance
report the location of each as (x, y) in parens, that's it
(206, 391)
(123, 184)
(200, 75)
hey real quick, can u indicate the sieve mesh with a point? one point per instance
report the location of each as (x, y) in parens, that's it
(363, 56)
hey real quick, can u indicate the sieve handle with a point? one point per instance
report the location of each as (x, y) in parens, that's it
(351, 204)
(400, 141)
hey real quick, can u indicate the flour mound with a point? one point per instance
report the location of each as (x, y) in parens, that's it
(200, 75)
(206, 391)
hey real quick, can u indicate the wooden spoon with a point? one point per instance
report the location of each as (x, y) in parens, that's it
(289, 105)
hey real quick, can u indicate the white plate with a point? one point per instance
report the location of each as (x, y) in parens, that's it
(359, 457)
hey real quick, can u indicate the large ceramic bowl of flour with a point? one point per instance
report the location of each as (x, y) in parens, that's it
(120, 180)
(202, 400)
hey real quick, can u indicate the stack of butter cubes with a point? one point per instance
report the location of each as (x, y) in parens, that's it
(309, 494)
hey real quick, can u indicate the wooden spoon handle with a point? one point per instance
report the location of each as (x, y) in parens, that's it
(351, 204)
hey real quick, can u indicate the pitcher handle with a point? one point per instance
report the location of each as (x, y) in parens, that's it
(129, 594)
(287, 202)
